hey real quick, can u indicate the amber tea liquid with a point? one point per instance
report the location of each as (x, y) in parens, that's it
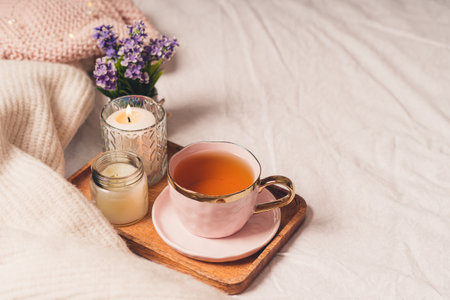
(213, 173)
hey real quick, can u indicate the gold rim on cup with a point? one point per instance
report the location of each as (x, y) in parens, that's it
(257, 183)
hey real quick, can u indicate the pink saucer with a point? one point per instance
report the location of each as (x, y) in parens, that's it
(258, 231)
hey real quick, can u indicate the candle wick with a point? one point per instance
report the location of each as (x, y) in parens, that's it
(129, 120)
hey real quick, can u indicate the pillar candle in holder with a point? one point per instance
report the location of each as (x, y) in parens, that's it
(131, 118)
(119, 187)
(138, 124)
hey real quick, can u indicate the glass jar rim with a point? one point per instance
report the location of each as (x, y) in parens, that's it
(107, 158)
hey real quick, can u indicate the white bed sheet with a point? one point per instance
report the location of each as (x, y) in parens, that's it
(350, 100)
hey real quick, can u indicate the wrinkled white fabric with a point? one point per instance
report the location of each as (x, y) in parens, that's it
(350, 99)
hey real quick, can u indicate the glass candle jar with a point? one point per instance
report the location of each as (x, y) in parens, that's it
(138, 124)
(119, 187)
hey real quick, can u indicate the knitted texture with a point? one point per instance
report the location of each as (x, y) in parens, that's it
(54, 243)
(61, 30)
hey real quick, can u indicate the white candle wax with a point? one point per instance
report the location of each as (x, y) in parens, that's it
(131, 118)
(122, 205)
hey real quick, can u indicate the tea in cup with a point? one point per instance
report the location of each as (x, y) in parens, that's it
(214, 187)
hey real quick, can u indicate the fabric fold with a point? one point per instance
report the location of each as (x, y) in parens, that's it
(54, 243)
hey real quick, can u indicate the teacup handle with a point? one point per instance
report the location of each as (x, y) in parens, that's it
(272, 180)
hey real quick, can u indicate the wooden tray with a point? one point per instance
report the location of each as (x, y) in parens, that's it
(230, 277)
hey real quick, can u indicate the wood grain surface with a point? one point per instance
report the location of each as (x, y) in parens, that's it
(230, 277)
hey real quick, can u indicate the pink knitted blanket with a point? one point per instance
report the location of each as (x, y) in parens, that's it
(61, 30)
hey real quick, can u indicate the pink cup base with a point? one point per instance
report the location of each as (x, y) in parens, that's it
(255, 234)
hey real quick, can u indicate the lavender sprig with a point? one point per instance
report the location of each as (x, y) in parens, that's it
(161, 49)
(106, 40)
(105, 74)
(137, 32)
(131, 66)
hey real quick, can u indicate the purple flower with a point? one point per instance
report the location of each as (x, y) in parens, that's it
(130, 51)
(136, 58)
(137, 32)
(111, 52)
(162, 48)
(131, 48)
(134, 71)
(106, 40)
(105, 74)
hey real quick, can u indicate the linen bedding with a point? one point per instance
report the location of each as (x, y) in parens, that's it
(350, 99)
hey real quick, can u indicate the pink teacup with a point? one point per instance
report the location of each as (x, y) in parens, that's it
(222, 215)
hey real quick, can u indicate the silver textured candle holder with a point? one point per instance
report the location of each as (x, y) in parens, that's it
(149, 143)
